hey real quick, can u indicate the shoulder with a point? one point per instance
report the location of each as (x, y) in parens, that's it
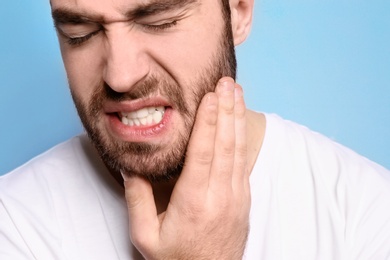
(302, 154)
(50, 174)
(324, 191)
(45, 166)
(29, 197)
(302, 145)
(57, 197)
(37, 180)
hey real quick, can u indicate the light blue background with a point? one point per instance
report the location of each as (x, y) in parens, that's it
(324, 64)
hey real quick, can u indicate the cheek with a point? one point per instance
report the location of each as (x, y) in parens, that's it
(186, 54)
(84, 69)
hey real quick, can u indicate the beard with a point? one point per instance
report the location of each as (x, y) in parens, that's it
(153, 161)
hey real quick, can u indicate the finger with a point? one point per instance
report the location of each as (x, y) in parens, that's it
(240, 172)
(200, 149)
(223, 161)
(143, 220)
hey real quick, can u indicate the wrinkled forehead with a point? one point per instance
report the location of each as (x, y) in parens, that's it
(116, 9)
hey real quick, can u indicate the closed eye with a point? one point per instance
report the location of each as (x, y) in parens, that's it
(160, 26)
(76, 34)
(80, 39)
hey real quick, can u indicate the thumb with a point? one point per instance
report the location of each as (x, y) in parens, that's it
(143, 219)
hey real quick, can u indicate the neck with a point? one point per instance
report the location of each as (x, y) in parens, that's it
(255, 135)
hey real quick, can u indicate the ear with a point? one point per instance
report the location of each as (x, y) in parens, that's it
(241, 12)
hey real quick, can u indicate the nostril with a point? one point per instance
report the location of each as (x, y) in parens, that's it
(113, 95)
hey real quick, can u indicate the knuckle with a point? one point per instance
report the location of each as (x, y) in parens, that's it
(228, 109)
(227, 149)
(137, 239)
(240, 111)
(203, 157)
(133, 200)
(241, 150)
(141, 240)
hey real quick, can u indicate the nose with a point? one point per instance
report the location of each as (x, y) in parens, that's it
(126, 61)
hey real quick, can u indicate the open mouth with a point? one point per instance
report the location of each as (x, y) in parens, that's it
(147, 116)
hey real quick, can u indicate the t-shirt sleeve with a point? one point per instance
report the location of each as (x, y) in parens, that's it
(368, 225)
(350, 194)
(361, 190)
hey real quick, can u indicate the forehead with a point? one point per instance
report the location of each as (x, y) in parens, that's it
(116, 9)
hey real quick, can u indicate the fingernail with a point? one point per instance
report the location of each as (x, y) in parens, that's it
(124, 175)
(227, 85)
(238, 93)
(211, 100)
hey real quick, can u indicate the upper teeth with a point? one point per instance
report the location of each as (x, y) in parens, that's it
(144, 116)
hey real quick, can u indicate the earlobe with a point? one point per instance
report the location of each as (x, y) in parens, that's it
(241, 12)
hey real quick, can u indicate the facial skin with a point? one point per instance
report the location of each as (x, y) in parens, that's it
(122, 56)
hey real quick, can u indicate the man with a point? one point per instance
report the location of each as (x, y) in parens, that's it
(177, 167)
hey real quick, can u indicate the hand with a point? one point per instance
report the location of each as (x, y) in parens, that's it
(208, 213)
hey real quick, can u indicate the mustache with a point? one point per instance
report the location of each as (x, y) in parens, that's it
(143, 89)
(148, 87)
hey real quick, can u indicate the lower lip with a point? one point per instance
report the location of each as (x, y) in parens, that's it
(139, 133)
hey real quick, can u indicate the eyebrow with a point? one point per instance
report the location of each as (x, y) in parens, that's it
(159, 6)
(66, 15)
(153, 7)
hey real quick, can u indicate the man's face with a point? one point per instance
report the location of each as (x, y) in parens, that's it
(137, 71)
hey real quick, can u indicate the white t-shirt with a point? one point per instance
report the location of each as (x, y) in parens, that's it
(311, 199)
